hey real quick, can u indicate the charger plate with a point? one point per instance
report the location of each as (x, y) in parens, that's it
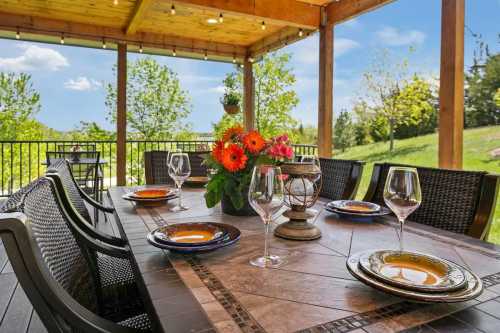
(383, 211)
(415, 271)
(232, 236)
(472, 289)
(149, 201)
(190, 234)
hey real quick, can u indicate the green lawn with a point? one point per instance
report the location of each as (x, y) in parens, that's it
(423, 151)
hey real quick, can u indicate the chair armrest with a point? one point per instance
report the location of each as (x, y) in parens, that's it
(94, 203)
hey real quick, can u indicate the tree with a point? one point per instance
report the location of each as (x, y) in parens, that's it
(497, 98)
(156, 103)
(274, 96)
(363, 117)
(343, 134)
(384, 81)
(482, 83)
(19, 102)
(91, 131)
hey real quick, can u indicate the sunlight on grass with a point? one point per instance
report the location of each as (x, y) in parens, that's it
(423, 151)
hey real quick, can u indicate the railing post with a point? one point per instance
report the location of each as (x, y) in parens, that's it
(121, 116)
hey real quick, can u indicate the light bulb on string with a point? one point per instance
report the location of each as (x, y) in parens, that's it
(221, 18)
(115, 2)
(206, 56)
(103, 43)
(172, 10)
(140, 49)
(234, 59)
(263, 25)
(62, 38)
(18, 34)
(301, 32)
(174, 53)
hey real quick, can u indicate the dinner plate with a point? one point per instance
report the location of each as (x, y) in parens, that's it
(197, 180)
(383, 211)
(472, 289)
(355, 206)
(415, 271)
(149, 201)
(151, 193)
(190, 234)
(232, 236)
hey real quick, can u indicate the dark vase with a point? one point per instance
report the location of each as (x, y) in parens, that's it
(228, 208)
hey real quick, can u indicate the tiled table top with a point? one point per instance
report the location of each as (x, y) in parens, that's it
(313, 291)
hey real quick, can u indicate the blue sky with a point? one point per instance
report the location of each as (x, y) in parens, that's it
(69, 79)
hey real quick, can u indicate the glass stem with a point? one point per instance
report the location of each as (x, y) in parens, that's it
(267, 223)
(180, 195)
(401, 225)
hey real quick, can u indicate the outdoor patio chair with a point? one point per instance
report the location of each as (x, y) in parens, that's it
(56, 266)
(198, 169)
(340, 178)
(459, 201)
(155, 165)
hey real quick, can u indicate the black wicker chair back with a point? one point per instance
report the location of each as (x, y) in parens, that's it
(340, 178)
(198, 169)
(454, 200)
(155, 165)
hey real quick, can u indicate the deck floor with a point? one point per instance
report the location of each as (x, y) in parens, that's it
(16, 313)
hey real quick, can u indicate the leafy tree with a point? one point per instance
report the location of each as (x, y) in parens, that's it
(19, 102)
(343, 133)
(482, 83)
(497, 98)
(274, 96)
(363, 116)
(156, 103)
(91, 131)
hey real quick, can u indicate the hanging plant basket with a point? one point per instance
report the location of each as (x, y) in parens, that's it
(232, 109)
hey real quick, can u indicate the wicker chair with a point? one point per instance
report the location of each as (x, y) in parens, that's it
(155, 165)
(198, 169)
(56, 265)
(459, 201)
(340, 178)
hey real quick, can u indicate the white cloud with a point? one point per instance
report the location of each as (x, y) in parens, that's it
(218, 89)
(308, 52)
(34, 58)
(394, 37)
(82, 83)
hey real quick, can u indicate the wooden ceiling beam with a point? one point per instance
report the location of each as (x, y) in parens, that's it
(338, 12)
(50, 27)
(140, 10)
(283, 37)
(288, 12)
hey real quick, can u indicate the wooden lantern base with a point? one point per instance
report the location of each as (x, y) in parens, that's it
(297, 228)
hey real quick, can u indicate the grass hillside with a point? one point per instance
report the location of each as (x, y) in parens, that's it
(422, 150)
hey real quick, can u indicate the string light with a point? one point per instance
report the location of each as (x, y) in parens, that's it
(62, 38)
(172, 10)
(221, 18)
(250, 59)
(18, 34)
(234, 59)
(115, 2)
(206, 55)
(174, 53)
(103, 43)
(301, 32)
(263, 26)
(140, 48)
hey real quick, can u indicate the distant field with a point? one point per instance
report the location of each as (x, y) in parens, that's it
(422, 150)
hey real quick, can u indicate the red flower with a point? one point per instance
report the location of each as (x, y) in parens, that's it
(234, 158)
(218, 151)
(232, 133)
(254, 142)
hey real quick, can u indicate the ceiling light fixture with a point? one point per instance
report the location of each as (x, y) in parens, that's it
(115, 2)
(172, 10)
(212, 20)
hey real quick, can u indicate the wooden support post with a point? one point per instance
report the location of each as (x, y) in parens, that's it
(121, 116)
(325, 97)
(451, 91)
(248, 96)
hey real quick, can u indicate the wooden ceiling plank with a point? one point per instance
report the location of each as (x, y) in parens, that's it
(140, 10)
(50, 27)
(289, 12)
(338, 12)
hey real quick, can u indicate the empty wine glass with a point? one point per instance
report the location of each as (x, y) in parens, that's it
(402, 194)
(266, 196)
(179, 169)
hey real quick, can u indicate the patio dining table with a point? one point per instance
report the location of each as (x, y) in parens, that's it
(313, 292)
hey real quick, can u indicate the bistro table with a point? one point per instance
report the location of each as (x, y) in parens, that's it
(313, 292)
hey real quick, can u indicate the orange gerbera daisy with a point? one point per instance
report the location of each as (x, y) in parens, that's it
(234, 158)
(218, 151)
(232, 133)
(254, 142)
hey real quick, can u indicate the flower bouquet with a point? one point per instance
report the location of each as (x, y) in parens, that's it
(233, 158)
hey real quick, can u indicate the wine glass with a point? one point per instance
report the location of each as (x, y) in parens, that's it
(402, 194)
(266, 196)
(179, 169)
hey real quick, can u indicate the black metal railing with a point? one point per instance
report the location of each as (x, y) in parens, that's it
(23, 161)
